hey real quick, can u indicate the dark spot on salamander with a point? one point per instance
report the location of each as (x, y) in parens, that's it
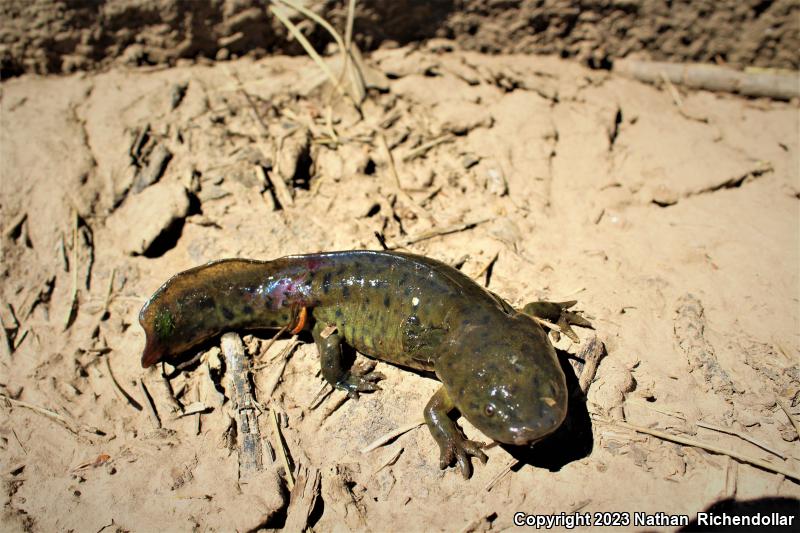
(387, 301)
(466, 322)
(408, 290)
(527, 348)
(206, 303)
(227, 313)
(485, 319)
(403, 280)
(345, 291)
(338, 313)
(326, 283)
(247, 309)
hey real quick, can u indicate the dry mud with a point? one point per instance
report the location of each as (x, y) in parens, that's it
(677, 229)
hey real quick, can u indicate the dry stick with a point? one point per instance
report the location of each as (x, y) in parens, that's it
(15, 224)
(744, 436)
(73, 306)
(487, 266)
(323, 393)
(302, 499)
(177, 407)
(792, 419)
(281, 448)
(151, 408)
(676, 99)
(270, 387)
(390, 461)
(5, 343)
(68, 424)
(136, 405)
(708, 447)
(270, 342)
(437, 232)
(297, 34)
(592, 352)
(109, 291)
(281, 190)
(423, 148)
(348, 32)
(503, 473)
(250, 459)
(419, 211)
(391, 436)
(332, 408)
(356, 79)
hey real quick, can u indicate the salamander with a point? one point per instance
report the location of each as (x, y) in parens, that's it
(497, 365)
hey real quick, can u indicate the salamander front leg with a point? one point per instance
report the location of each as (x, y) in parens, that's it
(452, 445)
(330, 353)
(558, 313)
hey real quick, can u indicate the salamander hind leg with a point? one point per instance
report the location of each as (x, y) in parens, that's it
(452, 445)
(330, 352)
(559, 314)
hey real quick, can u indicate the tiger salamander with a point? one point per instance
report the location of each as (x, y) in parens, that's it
(496, 365)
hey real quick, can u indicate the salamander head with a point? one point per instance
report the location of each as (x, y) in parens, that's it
(168, 330)
(506, 380)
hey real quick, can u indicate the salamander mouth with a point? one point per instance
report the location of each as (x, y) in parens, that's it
(530, 436)
(152, 352)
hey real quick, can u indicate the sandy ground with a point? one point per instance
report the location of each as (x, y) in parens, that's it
(677, 229)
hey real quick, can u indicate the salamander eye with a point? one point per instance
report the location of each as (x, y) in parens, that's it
(488, 410)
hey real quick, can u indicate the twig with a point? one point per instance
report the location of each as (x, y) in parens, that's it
(743, 436)
(791, 418)
(109, 291)
(418, 210)
(390, 160)
(250, 448)
(281, 190)
(708, 447)
(281, 448)
(503, 473)
(706, 425)
(676, 99)
(73, 306)
(355, 76)
(302, 499)
(423, 148)
(151, 408)
(323, 393)
(265, 349)
(486, 268)
(5, 343)
(435, 233)
(297, 34)
(391, 436)
(196, 408)
(592, 352)
(332, 408)
(284, 358)
(390, 461)
(68, 424)
(136, 405)
(177, 407)
(15, 225)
